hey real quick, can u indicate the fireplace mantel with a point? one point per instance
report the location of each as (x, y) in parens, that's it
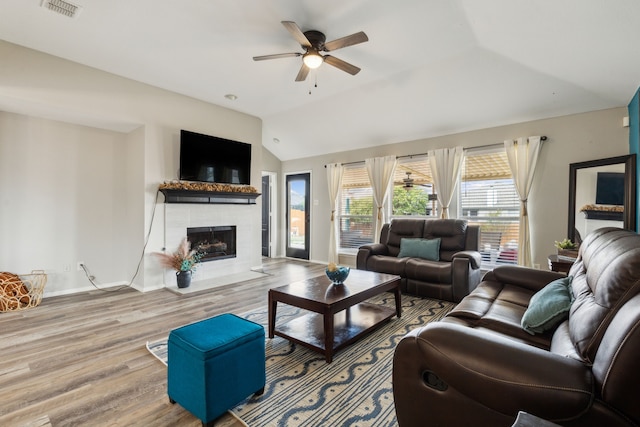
(208, 197)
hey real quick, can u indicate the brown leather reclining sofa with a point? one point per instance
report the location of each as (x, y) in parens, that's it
(479, 367)
(451, 277)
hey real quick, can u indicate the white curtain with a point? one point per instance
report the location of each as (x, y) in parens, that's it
(380, 171)
(334, 181)
(446, 165)
(523, 156)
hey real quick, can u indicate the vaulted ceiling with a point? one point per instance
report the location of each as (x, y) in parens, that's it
(430, 67)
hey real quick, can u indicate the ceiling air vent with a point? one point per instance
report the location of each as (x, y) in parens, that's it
(62, 7)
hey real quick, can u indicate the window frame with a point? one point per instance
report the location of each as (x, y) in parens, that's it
(498, 239)
(342, 216)
(422, 178)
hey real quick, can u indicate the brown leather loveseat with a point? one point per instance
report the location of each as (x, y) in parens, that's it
(450, 275)
(479, 367)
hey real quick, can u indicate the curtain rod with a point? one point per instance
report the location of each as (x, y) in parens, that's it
(542, 138)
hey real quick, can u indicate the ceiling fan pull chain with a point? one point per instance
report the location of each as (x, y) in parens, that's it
(315, 84)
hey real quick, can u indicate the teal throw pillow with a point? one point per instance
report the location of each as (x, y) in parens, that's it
(420, 248)
(548, 307)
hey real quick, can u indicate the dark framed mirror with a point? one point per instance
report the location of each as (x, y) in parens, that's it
(602, 193)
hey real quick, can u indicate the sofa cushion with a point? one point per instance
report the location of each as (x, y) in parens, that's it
(605, 276)
(561, 342)
(548, 307)
(428, 271)
(420, 248)
(399, 229)
(452, 234)
(498, 307)
(386, 264)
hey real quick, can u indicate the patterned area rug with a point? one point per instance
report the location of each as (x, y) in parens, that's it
(354, 390)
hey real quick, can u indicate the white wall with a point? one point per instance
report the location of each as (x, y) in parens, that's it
(273, 166)
(62, 188)
(117, 191)
(574, 138)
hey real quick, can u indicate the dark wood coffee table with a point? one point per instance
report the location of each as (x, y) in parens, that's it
(339, 314)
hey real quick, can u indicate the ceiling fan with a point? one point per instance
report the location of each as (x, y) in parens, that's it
(408, 181)
(314, 42)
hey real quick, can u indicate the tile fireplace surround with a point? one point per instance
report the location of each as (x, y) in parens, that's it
(179, 217)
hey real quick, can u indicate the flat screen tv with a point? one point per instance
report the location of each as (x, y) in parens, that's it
(207, 158)
(610, 188)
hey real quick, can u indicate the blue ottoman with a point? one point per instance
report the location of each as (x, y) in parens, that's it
(215, 364)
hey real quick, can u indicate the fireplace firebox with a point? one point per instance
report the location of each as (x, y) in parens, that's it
(213, 242)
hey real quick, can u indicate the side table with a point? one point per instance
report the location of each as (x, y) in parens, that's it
(559, 265)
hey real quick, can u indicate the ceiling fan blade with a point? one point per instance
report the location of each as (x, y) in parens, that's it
(302, 74)
(297, 33)
(276, 56)
(356, 38)
(339, 63)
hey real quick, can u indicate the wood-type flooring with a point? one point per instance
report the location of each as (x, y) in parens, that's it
(80, 360)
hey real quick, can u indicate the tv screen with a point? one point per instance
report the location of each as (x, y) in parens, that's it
(207, 158)
(610, 188)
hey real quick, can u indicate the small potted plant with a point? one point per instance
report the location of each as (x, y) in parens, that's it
(183, 260)
(566, 248)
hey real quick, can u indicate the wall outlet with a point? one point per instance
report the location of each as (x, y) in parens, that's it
(80, 264)
(536, 266)
(66, 268)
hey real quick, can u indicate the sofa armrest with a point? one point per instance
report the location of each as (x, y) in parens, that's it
(376, 249)
(465, 274)
(450, 365)
(474, 258)
(525, 277)
(365, 251)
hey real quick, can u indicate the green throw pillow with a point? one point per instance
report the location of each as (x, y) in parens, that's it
(420, 248)
(548, 307)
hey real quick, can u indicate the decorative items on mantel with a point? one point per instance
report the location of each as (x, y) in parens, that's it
(208, 193)
(603, 212)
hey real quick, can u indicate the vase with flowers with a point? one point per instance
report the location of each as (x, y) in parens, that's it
(184, 260)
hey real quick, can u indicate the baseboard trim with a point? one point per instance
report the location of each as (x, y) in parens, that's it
(88, 288)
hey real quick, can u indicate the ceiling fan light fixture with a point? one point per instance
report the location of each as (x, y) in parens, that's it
(313, 42)
(408, 182)
(312, 59)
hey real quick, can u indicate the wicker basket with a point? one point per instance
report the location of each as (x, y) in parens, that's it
(18, 292)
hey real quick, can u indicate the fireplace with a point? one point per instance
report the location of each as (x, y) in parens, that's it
(214, 242)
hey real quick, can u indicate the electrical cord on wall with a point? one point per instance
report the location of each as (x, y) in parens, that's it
(92, 278)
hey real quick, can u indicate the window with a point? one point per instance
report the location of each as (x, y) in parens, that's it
(488, 198)
(355, 211)
(412, 188)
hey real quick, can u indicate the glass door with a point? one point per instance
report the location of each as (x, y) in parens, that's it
(266, 215)
(298, 218)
